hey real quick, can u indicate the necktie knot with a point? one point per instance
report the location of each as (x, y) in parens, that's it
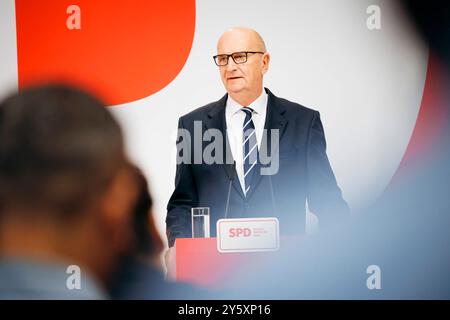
(248, 111)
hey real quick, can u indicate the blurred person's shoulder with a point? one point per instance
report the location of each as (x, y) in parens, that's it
(38, 280)
(142, 281)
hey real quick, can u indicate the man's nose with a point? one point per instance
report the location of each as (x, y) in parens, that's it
(231, 66)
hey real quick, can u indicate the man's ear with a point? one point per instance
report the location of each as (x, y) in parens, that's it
(117, 204)
(265, 62)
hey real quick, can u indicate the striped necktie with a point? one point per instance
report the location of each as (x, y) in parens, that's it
(250, 148)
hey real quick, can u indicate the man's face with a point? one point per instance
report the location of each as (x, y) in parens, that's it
(246, 77)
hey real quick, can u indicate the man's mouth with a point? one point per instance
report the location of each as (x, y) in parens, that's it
(233, 78)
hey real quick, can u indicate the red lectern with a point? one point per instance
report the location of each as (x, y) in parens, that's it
(197, 261)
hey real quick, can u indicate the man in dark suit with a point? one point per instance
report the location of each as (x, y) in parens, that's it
(242, 183)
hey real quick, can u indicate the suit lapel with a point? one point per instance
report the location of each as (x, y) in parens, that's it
(216, 120)
(275, 119)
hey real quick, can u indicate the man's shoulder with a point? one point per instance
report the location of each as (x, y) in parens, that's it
(201, 112)
(294, 109)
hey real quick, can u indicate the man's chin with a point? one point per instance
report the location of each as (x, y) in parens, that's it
(234, 89)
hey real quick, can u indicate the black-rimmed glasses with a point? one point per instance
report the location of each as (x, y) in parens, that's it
(238, 57)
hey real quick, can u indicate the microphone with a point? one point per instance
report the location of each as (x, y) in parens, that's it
(232, 177)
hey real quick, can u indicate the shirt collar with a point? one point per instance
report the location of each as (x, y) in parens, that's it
(259, 105)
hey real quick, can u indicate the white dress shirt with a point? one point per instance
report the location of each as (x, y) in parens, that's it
(235, 121)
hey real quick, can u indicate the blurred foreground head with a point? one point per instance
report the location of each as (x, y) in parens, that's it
(148, 243)
(66, 190)
(432, 21)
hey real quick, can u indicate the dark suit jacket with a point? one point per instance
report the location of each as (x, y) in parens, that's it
(304, 174)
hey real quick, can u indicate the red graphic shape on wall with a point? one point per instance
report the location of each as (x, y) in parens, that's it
(124, 50)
